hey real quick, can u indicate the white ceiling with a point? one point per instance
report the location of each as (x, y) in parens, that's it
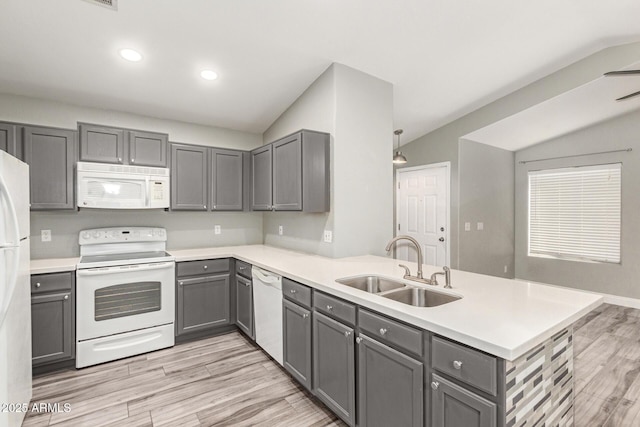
(581, 107)
(444, 58)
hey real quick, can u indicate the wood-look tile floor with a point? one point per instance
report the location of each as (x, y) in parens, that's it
(227, 380)
(220, 381)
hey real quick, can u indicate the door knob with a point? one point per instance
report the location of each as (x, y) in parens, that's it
(441, 239)
(441, 228)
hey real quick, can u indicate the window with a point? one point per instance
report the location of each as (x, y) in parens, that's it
(574, 213)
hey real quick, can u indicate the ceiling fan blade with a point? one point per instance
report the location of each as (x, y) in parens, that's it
(631, 95)
(622, 73)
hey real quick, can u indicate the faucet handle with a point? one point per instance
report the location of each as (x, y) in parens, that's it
(407, 272)
(447, 277)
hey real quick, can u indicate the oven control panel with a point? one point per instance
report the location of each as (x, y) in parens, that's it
(122, 234)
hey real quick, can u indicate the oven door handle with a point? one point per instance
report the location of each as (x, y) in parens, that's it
(134, 268)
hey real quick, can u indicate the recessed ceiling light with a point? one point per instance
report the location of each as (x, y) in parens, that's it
(131, 55)
(208, 74)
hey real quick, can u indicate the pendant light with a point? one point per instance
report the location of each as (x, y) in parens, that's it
(399, 158)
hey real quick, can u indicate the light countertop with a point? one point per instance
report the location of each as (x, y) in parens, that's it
(500, 316)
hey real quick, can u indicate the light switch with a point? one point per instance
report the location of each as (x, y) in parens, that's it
(480, 226)
(217, 229)
(467, 226)
(280, 230)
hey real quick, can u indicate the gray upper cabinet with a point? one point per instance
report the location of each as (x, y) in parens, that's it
(244, 306)
(454, 406)
(334, 366)
(8, 142)
(261, 167)
(296, 323)
(390, 386)
(101, 144)
(52, 318)
(203, 303)
(147, 148)
(188, 177)
(50, 154)
(225, 170)
(292, 173)
(287, 173)
(106, 144)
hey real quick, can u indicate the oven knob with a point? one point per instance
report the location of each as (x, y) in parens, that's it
(95, 234)
(161, 233)
(86, 235)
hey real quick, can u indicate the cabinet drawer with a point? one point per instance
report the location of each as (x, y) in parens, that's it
(41, 283)
(465, 364)
(296, 292)
(403, 336)
(334, 307)
(243, 269)
(193, 268)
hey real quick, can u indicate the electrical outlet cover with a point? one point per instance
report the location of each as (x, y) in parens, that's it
(45, 235)
(217, 229)
(328, 236)
(280, 230)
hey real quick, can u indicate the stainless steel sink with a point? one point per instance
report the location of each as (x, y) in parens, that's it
(420, 297)
(371, 284)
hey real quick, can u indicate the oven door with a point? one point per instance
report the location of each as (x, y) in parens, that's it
(113, 300)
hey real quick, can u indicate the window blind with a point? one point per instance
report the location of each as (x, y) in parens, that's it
(574, 213)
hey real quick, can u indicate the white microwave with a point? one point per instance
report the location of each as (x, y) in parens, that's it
(108, 186)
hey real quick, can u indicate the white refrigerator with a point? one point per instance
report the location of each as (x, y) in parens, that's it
(15, 292)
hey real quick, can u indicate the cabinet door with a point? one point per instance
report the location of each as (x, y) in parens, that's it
(147, 148)
(203, 303)
(50, 154)
(52, 328)
(188, 177)
(296, 323)
(226, 180)
(101, 144)
(454, 406)
(390, 391)
(287, 174)
(261, 178)
(244, 306)
(8, 139)
(334, 366)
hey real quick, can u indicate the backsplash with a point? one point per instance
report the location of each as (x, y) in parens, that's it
(184, 229)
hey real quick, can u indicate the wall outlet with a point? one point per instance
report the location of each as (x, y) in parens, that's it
(45, 235)
(467, 226)
(280, 230)
(480, 226)
(505, 269)
(328, 236)
(217, 229)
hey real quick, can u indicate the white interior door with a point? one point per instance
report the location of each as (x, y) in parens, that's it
(423, 212)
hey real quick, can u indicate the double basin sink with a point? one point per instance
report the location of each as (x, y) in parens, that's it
(398, 291)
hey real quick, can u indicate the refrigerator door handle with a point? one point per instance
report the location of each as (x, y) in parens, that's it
(7, 292)
(13, 216)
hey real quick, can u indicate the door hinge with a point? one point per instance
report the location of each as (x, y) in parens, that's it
(398, 227)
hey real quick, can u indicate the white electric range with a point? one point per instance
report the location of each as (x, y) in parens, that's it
(125, 288)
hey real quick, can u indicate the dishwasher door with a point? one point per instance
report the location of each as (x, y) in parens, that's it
(267, 303)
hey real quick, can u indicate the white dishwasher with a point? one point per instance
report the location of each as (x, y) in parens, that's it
(267, 303)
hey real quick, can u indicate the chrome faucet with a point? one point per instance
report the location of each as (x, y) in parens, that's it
(418, 277)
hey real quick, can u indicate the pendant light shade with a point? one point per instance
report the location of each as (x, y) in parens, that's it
(398, 157)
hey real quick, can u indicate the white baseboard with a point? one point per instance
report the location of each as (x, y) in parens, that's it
(623, 301)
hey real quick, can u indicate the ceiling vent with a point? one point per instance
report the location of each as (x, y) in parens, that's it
(109, 4)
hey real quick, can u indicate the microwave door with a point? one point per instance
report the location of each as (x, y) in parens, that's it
(125, 193)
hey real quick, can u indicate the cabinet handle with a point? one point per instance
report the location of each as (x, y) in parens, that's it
(329, 307)
(38, 285)
(215, 206)
(358, 340)
(383, 331)
(66, 296)
(181, 283)
(120, 159)
(347, 334)
(133, 161)
(205, 267)
(247, 284)
(435, 385)
(305, 315)
(204, 206)
(457, 364)
(293, 291)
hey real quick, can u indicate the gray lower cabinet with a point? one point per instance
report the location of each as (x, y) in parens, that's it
(52, 318)
(50, 154)
(296, 323)
(244, 305)
(225, 170)
(188, 177)
(454, 406)
(101, 144)
(202, 303)
(147, 148)
(261, 178)
(334, 366)
(390, 386)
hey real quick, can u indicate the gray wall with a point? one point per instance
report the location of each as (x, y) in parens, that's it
(356, 109)
(617, 279)
(486, 188)
(442, 143)
(185, 229)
